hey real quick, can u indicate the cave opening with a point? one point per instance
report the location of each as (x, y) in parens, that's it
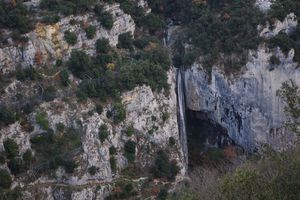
(206, 139)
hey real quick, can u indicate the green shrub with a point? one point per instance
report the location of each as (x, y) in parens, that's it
(92, 170)
(129, 130)
(106, 20)
(283, 41)
(42, 120)
(112, 150)
(79, 63)
(113, 164)
(70, 37)
(5, 179)
(11, 148)
(28, 157)
(14, 194)
(90, 32)
(275, 176)
(70, 166)
(29, 73)
(163, 167)
(103, 132)
(99, 108)
(49, 93)
(2, 158)
(172, 141)
(51, 19)
(102, 46)
(118, 113)
(165, 116)
(144, 41)
(125, 40)
(130, 149)
(60, 127)
(16, 166)
(163, 193)
(67, 7)
(58, 146)
(153, 22)
(274, 60)
(15, 17)
(7, 116)
(64, 77)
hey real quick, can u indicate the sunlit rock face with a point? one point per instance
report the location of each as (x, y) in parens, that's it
(46, 43)
(247, 105)
(264, 5)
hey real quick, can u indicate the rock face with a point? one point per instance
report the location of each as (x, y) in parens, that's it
(247, 105)
(264, 5)
(287, 25)
(144, 110)
(46, 43)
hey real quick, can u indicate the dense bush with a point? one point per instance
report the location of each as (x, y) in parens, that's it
(92, 170)
(105, 18)
(212, 29)
(144, 41)
(80, 63)
(113, 164)
(29, 73)
(274, 60)
(99, 108)
(59, 147)
(16, 166)
(130, 149)
(281, 8)
(102, 46)
(49, 93)
(90, 32)
(152, 22)
(14, 16)
(108, 74)
(275, 177)
(112, 150)
(125, 40)
(28, 157)
(172, 141)
(11, 148)
(5, 179)
(118, 113)
(67, 7)
(103, 132)
(163, 167)
(2, 158)
(7, 116)
(64, 77)
(70, 37)
(129, 130)
(42, 120)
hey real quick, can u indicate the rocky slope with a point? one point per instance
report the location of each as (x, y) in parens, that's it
(152, 115)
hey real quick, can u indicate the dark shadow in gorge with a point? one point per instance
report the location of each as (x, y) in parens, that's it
(205, 138)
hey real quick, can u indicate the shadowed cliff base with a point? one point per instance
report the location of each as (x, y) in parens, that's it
(208, 142)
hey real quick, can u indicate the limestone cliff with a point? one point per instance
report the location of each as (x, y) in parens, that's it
(247, 104)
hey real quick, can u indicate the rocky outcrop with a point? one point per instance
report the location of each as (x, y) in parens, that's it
(46, 43)
(247, 105)
(264, 5)
(288, 25)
